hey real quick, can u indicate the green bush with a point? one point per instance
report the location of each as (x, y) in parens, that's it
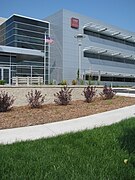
(6, 101)
(63, 82)
(35, 99)
(51, 83)
(74, 82)
(63, 97)
(2, 82)
(80, 82)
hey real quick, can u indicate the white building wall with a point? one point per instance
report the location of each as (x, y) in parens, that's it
(56, 49)
(69, 47)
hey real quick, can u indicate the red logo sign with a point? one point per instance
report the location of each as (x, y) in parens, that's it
(75, 23)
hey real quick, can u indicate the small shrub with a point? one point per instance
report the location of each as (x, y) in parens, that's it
(63, 82)
(74, 82)
(63, 97)
(2, 82)
(89, 93)
(107, 93)
(35, 99)
(6, 101)
(89, 80)
(80, 82)
(51, 83)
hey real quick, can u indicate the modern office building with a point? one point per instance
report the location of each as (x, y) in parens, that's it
(22, 46)
(98, 51)
(108, 52)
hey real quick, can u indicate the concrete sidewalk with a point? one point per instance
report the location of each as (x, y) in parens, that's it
(126, 94)
(53, 129)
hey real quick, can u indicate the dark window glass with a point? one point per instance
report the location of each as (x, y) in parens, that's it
(129, 61)
(91, 55)
(105, 78)
(117, 79)
(9, 21)
(29, 46)
(0, 74)
(10, 39)
(106, 37)
(31, 34)
(4, 58)
(30, 21)
(121, 60)
(10, 33)
(108, 58)
(11, 26)
(31, 27)
(29, 40)
(129, 79)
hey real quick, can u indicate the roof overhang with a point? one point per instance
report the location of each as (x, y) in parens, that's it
(109, 31)
(44, 21)
(23, 51)
(109, 52)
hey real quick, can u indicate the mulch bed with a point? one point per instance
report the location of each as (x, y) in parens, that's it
(25, 116)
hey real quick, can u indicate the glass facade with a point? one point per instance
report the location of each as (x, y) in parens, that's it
(21, 66)
(28, 33)
(108, 58)
(111, 60)
(23, 32)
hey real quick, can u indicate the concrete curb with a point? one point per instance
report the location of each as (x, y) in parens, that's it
(8, 136)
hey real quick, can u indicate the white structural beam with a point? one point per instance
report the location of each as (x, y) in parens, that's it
(116, 54)
(127, 56)
(102, 51)
(115, 33)
(128, 37)
(102, 29)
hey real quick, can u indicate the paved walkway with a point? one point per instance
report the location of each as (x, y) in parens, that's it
(57, 128)
(126, 94)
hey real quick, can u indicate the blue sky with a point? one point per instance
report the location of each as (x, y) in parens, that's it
(116, 12)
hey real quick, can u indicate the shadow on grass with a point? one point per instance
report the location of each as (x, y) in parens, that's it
(127, 143)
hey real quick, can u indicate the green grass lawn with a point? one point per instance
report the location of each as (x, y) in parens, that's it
(96, 154)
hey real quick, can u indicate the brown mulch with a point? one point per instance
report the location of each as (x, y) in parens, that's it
(25, 116)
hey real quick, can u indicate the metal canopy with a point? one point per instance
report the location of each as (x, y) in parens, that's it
(24, 51)
(109, 52)
(109, 31)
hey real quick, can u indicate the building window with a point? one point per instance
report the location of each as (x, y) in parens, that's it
(108, 58)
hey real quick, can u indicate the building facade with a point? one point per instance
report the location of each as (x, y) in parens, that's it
(22, 47)
(83, 48)
(107, 52)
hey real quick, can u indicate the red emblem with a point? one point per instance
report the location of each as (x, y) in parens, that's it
(75, 23)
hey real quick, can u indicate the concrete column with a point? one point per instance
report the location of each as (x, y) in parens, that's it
(28, 81)
(16, 80)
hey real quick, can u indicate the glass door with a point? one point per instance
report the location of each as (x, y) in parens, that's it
(5, 74)
(0, 74)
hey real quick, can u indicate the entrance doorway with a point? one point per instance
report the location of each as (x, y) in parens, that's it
(5, 74)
